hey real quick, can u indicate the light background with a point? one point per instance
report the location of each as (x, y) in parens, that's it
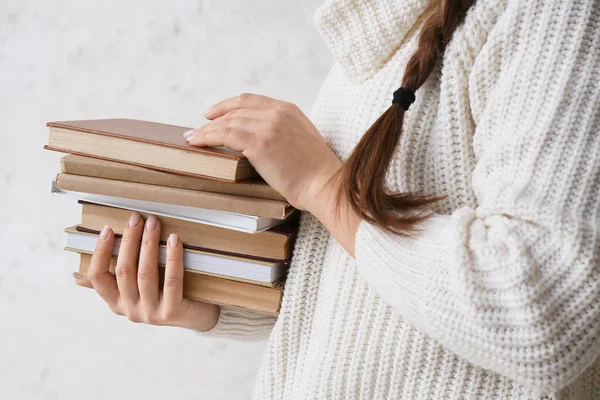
(164, 61)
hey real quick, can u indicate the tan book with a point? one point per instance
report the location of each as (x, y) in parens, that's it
(242, 269)
(79, 165)
(147, 144)
(214, 290)
(275, 244)
(180, 197)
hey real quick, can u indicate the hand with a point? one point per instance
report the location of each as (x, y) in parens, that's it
(134, 289)
(282, 144)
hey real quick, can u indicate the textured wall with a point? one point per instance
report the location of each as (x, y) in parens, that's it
(159, 60)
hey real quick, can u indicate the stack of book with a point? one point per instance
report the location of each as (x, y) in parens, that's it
(237, 232)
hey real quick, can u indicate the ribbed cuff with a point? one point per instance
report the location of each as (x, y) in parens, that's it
(401, 270)
(242, 325)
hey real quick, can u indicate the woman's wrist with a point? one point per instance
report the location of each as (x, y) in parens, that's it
(321, 195)
(329, 205)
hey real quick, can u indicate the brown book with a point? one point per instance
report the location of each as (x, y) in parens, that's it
(180, 197)
(94, 167)
(147, 144)
(272, 245)
(214, 290)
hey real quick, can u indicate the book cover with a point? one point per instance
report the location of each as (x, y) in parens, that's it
(148, 144)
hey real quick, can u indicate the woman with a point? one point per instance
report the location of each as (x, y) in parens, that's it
(449, 252)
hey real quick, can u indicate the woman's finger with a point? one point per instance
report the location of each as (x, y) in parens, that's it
(102, 280)
(147, 274)
(244, 100)
(173, 287)
(126, 269)
(252, 123)
(243, 120)
(83, 283)
(250, 113)
(234, 138)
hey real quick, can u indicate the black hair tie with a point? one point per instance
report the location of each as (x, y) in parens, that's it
(405, 97)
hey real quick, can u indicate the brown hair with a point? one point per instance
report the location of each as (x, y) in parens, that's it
(363, 175)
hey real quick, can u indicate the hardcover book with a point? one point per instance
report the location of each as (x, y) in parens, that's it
(214, 290)
(147, 144)
(274, 244)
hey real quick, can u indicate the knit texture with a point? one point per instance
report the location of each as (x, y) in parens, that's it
(499, 296)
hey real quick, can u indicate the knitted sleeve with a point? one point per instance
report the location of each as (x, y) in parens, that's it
(513, 285)
(241, 325)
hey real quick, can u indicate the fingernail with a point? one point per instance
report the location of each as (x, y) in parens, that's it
(151, 223)
(173, 240)
(189, 134)
(134, 220)
(207, 112)
(104, 232)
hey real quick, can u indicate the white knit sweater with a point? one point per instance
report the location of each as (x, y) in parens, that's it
(499, 297)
